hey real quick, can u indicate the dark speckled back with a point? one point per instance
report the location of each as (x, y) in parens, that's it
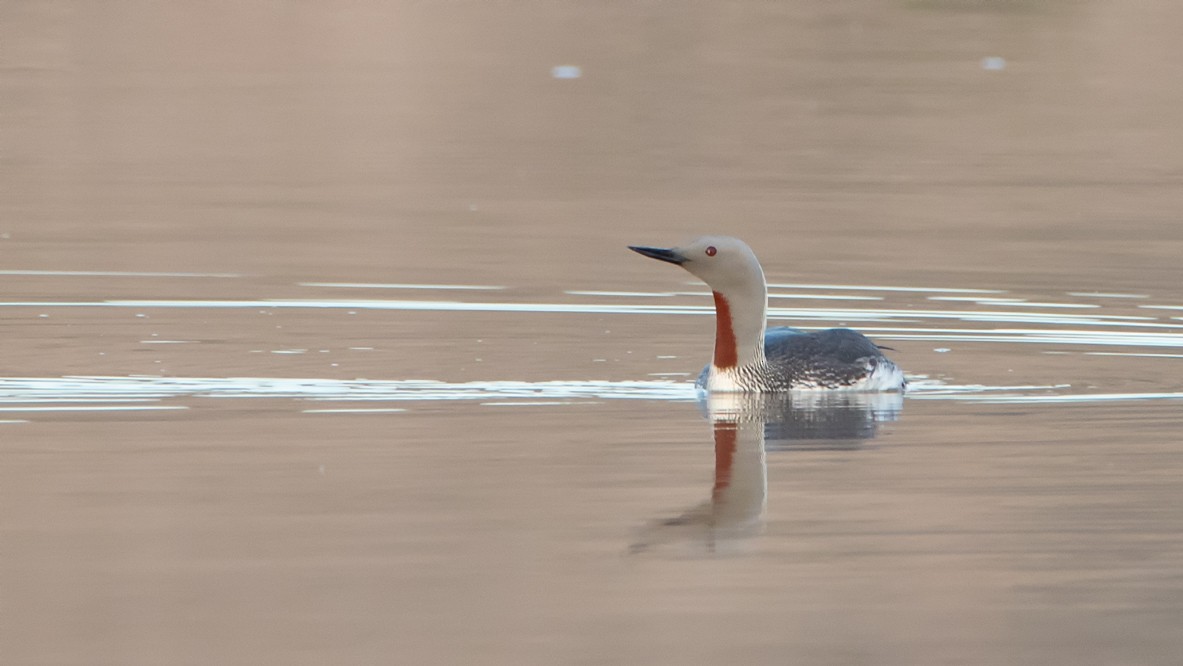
(838, 344)
(831, 358)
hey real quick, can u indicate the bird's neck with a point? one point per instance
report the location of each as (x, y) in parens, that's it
(739, 330)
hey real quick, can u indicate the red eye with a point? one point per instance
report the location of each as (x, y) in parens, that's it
(711, 251)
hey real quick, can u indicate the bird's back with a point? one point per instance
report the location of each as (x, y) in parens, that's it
(839, 345)
(831, 358)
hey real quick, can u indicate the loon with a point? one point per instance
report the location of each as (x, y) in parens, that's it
(750, 358)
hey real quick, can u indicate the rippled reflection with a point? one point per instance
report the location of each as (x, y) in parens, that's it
(794, 420)
(144, 388)
(745, 427)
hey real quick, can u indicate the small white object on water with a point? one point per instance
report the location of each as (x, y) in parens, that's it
(994, 63)
(566, 72)
(941, 350)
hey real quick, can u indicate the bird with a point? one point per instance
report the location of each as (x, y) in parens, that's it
(752, 358)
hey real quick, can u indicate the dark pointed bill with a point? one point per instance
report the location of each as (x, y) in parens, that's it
(664, 254)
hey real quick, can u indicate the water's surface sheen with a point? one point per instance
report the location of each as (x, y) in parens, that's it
(323, 344)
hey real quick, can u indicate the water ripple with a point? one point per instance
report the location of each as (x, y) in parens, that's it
(383, 285)
(146, 387)
(95, 393)
(827, 314)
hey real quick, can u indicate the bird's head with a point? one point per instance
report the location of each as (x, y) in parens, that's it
(726, 264)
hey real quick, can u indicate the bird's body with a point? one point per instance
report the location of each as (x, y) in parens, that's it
(833, 359)
(752, 358)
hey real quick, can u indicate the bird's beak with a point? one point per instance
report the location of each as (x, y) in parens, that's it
(664, 254)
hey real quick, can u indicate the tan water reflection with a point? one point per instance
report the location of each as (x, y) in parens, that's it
(744, 428)
(239, 427)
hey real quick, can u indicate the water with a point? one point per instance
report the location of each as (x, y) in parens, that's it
(324, 346)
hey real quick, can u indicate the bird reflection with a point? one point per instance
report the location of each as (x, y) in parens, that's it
(745, 426)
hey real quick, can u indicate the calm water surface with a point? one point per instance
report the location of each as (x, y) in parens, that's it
(323, 344)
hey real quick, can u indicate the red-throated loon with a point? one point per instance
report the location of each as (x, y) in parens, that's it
(751, 358)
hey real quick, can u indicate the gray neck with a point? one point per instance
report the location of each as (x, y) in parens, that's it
(741, 315)
(749, 329)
